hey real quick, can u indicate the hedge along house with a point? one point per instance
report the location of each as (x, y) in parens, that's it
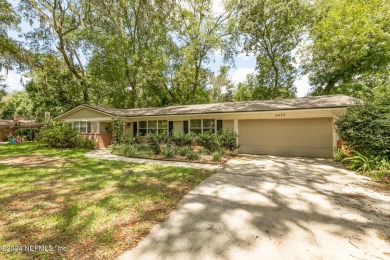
(285, 127)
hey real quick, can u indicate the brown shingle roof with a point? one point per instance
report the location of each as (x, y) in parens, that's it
(332, 101)
(21, 123)
(6, 122)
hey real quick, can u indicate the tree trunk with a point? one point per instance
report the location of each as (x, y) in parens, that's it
(84, 87)
(196, 83)
(276, 82)
(329, 86)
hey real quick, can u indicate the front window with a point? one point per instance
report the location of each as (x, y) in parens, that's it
(152, 127)
(209, 125)
(198, 126)
(82, 127)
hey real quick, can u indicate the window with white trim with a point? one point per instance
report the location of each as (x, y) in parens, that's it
(198, 126)
(152, 127)
(82, 127)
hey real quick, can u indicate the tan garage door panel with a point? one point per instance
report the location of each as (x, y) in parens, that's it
(287, 137)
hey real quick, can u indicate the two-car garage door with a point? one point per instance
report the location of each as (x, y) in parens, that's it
(287, 137)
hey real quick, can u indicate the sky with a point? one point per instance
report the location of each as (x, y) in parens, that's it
(244, 65)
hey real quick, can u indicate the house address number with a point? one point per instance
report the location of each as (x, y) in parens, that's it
(280, 115)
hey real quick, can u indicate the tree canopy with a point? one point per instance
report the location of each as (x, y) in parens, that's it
(349, 45)
(136, 53)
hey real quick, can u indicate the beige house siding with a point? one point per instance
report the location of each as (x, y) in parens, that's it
(128, 128)
(93, 127)
(178, 126)
(228, 125)
(306, 132)
(85, 114)
(287, 137)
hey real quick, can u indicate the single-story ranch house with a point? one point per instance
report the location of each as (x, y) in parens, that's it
(286, 127)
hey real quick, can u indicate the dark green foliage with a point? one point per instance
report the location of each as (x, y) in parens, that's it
(118, 129)
(339, 155)
(28, 134)
(169, 152)
(18, 103)
(181, 139)
(53, 88)
(192, 156)
(56, 134)
(169, 146)
(209, 141)
(224, 141)
(155, 142)
(203, 150)
(217, 156)
(132, 150)
(360, 162)
(227, 140)
(366, 126)
(374, 166)
(129, 139)
(184, 150)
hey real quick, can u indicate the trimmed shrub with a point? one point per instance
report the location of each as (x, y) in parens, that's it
(133, 150)
(154, 144)
(128, 139)
(169, 152)
(180, 144)
(56, 134)
(184, 150)
(227, 140)
(192, 156)
(209, 141)
(86, 143)
(217, 156)
(203, 150)
(181, 139)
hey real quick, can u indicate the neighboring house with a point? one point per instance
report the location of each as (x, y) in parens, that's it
(9, 127)
(286, 127)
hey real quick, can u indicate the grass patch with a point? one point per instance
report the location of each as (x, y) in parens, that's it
(86, 205)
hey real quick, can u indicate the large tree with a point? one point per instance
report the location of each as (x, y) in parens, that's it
(198, 33)
(17, 104)
(349, 44)
(53, 88)
(221, 87)
(272, 29)
(130, 42)
(155, 53)
(59, 30)
(13, 55)
(252, 89)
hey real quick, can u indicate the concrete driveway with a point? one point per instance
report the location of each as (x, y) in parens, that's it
(265, 207)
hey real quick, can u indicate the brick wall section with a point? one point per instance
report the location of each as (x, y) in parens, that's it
(5, 132)
(102, 140)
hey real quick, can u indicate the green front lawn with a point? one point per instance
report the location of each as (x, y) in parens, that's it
(61, 198)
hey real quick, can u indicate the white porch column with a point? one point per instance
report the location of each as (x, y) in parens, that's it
(98, 127)
(236, 129)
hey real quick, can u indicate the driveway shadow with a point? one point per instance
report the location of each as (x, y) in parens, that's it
(274, 207)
